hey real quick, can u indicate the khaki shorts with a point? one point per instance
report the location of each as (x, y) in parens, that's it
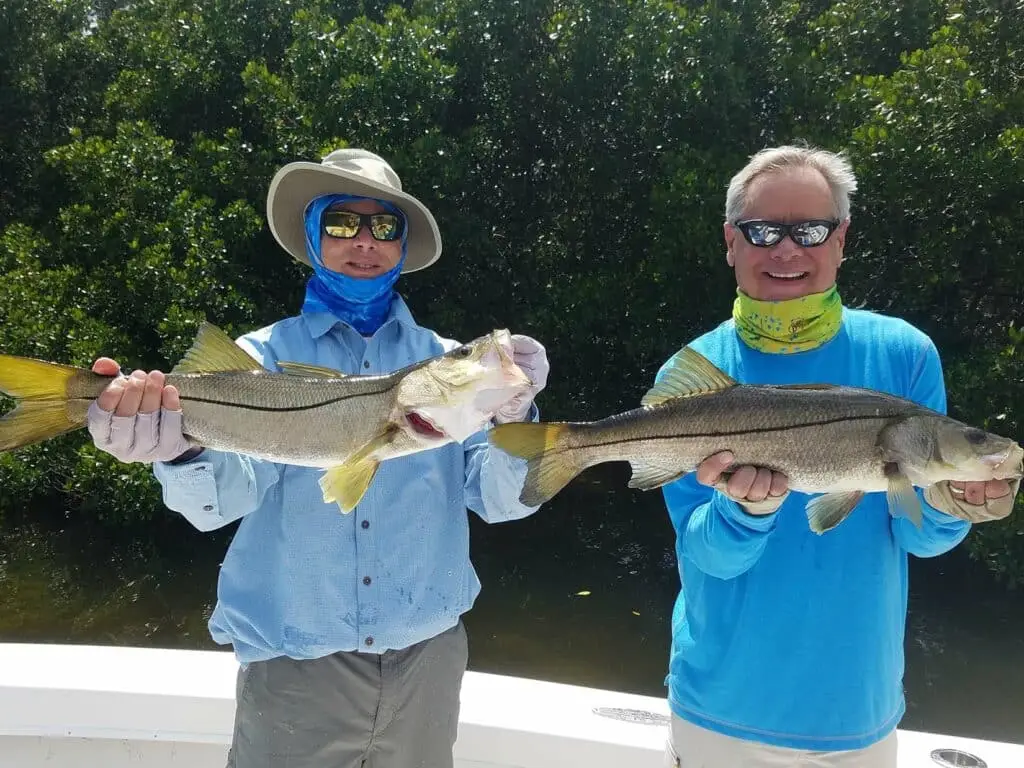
(690, 746)
(352, 710)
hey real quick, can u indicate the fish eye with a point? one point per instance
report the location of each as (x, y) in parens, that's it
(463, 351)
(976, 436)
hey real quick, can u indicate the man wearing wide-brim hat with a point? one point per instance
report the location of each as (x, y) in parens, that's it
(348, 627)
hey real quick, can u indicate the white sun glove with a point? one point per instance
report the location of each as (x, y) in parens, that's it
(529, 355)
(144, 437)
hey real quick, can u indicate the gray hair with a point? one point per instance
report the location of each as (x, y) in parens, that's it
(835, 167)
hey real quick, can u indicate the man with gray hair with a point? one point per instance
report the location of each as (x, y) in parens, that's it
(787, 646)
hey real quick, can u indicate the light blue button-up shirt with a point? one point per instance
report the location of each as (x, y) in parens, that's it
(303, 580)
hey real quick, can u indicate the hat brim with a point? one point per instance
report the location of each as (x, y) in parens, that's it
(297, 183)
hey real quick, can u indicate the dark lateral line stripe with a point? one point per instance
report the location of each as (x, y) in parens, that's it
(734, 433)
(274, 409)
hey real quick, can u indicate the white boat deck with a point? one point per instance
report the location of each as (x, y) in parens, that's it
(83, 706)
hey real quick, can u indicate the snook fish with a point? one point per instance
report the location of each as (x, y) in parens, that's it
(838, 441)
(306, 415)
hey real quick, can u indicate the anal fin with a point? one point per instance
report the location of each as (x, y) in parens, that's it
(647, 477)
(826, 512)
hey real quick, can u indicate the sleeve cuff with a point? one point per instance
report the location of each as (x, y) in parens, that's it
(191, 488)
(735, 512)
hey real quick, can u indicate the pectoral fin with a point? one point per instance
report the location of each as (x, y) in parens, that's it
(826, 512)
(903, 501)
(347, 482)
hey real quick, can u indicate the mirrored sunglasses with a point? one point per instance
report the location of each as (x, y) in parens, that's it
(346, 224)
(764, 234)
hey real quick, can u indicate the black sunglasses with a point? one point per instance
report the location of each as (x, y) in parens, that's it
(765, 234)
(346, 224)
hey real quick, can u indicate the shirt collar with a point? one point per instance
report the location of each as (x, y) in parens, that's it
(319, 323)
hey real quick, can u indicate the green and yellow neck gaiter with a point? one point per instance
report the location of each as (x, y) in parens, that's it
(791, 325)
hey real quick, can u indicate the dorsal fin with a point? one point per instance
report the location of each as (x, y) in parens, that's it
(689, 374)
(305, 369)
(213, 351)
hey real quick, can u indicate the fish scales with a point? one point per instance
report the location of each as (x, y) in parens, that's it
(822, 439)
(295, 420)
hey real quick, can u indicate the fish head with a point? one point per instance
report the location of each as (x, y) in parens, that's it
(962, 452)
(456, 394)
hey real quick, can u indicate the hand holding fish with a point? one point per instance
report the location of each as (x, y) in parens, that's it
(759, 490)
(128, 395)
(137, 417)
(532, 358)
(975, 501)
(976, 492)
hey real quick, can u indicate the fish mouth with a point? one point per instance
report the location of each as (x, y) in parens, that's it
(1006, 465)
(500, 354)
(502, 343)
(513, 374)
(423, 426)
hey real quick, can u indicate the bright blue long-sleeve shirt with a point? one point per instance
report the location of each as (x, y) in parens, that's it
(303, 580)
(781, 635)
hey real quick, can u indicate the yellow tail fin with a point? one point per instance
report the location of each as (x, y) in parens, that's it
(550, 463)
(45, 410)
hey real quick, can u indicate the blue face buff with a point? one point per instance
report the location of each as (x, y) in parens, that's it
(363, 303)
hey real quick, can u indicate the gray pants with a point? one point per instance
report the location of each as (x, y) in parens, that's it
(351, 709)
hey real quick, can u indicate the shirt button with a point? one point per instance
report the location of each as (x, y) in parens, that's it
(208, 508)
(367, 580)
(369, 641)
(365, 523)
(366, 363)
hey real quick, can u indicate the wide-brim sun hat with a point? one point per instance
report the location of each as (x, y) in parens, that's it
(349, 172)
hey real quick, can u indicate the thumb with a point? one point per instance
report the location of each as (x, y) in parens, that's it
(105, 366)
(712, 467)
(723, 458)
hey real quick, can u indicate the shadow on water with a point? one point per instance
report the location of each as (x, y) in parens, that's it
(580, 593)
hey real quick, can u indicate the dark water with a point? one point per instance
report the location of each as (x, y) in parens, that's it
(75, 581)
